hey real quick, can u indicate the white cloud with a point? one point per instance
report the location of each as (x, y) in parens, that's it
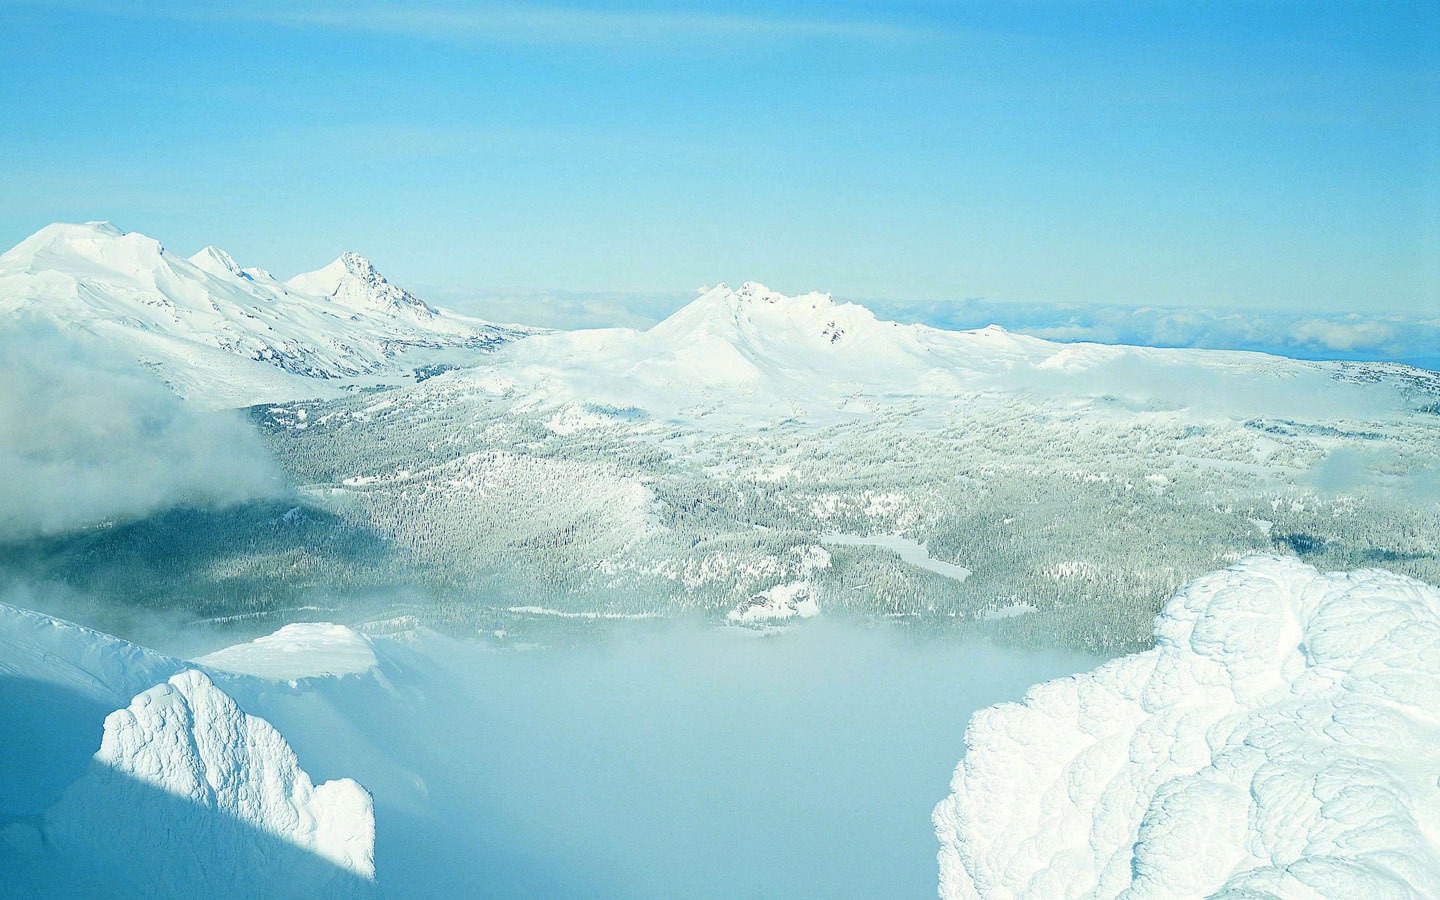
(1346, 334)
(88, 436)
(1304, 335)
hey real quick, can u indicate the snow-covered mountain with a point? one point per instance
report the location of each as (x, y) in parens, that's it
(1280, 740)
(696, 465)
(227, 335)
(754, 352)
(352, 281)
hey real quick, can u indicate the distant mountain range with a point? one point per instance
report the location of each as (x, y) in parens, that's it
(225, 334)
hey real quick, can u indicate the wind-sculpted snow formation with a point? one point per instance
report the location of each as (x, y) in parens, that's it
(239, 786)
(1280, 740)
(225, 335)
(187, 796)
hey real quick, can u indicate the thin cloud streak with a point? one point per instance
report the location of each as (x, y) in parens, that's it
(511, 23)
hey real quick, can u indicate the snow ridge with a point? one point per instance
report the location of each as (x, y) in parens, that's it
(1279, 740)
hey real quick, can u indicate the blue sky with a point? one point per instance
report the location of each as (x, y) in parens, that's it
(1267, 156)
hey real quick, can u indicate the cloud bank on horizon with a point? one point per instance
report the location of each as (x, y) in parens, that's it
(1304, 335)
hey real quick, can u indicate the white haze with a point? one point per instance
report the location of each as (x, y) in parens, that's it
(677, 762)
(87, 435)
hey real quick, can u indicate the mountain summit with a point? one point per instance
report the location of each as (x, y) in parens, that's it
(755, 312)
(353, 281)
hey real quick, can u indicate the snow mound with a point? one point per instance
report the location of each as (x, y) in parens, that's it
(301, 650)
(1280, 740)
(783, 601)
(183, 765)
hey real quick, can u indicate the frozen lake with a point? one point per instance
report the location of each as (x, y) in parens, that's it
(910, 551)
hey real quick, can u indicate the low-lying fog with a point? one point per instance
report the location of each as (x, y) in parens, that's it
(667, 763)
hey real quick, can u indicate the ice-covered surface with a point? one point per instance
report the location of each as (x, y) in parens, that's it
(225, 335)
(301, 650)
(913, 552)
(1280, 740)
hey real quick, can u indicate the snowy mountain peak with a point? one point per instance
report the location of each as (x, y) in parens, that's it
(754, 312)
(754, 291)
(360, 267)
(227, 334)
(216, 261)
(352, 280)
(87, 244)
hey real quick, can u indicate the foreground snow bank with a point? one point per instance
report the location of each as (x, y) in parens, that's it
(1280, 740)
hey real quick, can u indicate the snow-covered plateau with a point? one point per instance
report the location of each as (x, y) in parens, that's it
(1279, 741)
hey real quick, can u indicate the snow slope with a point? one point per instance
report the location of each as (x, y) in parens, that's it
(223, 334)
(59, 681)
(1280, 740)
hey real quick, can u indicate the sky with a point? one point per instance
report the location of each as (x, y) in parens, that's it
(1258, 156)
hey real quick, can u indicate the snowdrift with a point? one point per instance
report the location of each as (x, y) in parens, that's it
(1280, 740)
